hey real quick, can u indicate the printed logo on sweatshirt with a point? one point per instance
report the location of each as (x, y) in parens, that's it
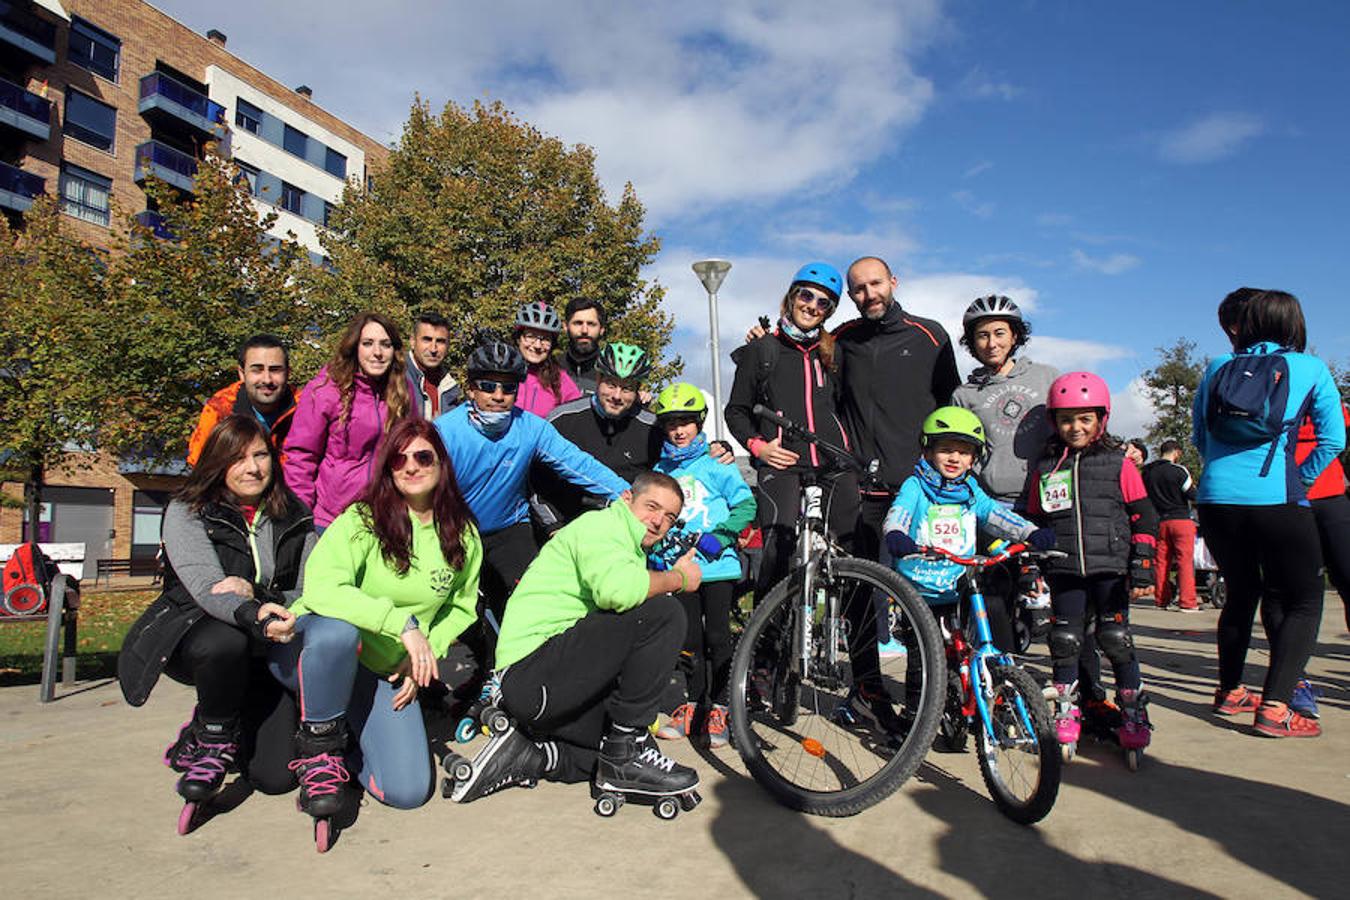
(442, 580)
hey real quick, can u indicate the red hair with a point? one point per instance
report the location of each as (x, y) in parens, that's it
(385, 512)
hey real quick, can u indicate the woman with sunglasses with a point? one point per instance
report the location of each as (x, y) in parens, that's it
(546, 384)
(390, 586)
(342, 415)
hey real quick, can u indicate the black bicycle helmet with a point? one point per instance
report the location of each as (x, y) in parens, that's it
(495, 357)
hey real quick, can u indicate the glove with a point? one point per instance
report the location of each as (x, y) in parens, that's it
(1141, 573)
(900, 544)
(1042, 539)
(709, 546)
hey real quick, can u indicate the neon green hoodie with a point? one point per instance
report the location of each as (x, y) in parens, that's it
(347, 578)
(596, 562)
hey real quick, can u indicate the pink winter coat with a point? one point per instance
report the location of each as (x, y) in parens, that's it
(535, 398)
(327, 463)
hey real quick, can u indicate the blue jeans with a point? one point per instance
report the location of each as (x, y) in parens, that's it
(392, 758)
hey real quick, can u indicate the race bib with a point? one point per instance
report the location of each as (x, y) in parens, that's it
(1057, 491)
(947, 529)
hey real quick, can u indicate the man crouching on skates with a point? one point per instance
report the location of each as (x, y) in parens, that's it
(588, 642)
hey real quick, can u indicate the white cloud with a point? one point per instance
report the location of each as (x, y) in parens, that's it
(1114, 264)
(967, 201)
(979, 168)
(1054, 219)
(1131, 410)
(976, 85)
(1073, 355)
(844, 246)
(1210, 137)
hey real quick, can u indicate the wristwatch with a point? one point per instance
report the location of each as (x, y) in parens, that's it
(412, 624)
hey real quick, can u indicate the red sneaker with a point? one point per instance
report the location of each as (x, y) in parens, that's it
(1235, 702)
(1278, 720)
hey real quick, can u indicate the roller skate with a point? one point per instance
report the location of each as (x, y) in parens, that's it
(868, 707)
(632, 767)
(318, 765)
(482, 714)
(510, 759)
(178, 755)
(206, 754)
(1068, 719)
(1101, 718)
(1133, 735)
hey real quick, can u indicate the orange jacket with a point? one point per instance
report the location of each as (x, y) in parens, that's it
(231, 400)
(1332, 480)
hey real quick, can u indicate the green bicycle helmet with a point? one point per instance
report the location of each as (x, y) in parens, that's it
(681, 399)
(953, 422)
(623, 361)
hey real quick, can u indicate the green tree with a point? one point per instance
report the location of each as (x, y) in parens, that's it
(1171, 385)
(476, 213)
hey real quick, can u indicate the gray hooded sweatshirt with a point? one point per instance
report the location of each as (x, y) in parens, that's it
(1012, 408)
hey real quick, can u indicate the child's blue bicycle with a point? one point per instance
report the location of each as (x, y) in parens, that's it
(993, 696)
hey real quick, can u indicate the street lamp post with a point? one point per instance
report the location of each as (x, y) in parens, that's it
(711, 272)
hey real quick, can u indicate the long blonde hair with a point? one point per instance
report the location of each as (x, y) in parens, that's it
(342, 368)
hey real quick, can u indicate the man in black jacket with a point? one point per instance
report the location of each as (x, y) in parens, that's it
(1170, 488)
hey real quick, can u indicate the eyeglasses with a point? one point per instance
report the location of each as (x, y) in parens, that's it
(811, 298)
(424, 458)
(542, 340)
(491, 387)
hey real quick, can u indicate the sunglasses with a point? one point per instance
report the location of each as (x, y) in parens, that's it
(811, 298)
(424, 458)
(491, 387)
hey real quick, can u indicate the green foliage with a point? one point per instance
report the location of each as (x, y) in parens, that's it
(1171, 386)
(476, 213)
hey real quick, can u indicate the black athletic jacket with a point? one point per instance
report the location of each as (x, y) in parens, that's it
(896, 371)
(1170, 488)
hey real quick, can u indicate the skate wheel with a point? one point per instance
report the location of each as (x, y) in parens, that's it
(1066, 751)
(1132, 759)
(466, 731)
(463, 770)
(667, 808)
(447, 787)
(689, 800)
(323, 835)
(606, 805)
(497, 721)
(187, 818)
(451, 760)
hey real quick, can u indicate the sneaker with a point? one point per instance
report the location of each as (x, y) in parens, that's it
(510, 759)
(681, 724)
(717, 727)
(891, 649)
(1235, 702)
(1305, 699)
(1189, 609)
(1274, 719)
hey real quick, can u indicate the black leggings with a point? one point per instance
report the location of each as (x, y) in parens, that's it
(506, 556)
(608, 665)
(1269, 556)
(707, 641)
(1333, 526)
(1103, 600)
(233, 685)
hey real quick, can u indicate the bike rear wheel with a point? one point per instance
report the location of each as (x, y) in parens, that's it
(788, 724)
(1021, 765)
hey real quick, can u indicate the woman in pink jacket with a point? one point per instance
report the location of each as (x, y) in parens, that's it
(342, 416)
(546, 384)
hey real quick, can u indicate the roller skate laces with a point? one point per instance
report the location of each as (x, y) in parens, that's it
(206, 770)
(1277, 720)
(717, 727)
(680, 725)
(1235, 702)
(321, 778)
(179, 755)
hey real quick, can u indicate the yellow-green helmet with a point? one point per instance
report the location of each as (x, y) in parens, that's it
(681, 399)
(953, 422)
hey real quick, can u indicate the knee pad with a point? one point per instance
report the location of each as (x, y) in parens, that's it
(1115, 641)
(1065, 641)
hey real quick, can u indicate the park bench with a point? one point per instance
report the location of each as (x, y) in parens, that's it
(61, 614)
(107, 568)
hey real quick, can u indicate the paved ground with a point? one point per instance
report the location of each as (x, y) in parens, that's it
(87, 808)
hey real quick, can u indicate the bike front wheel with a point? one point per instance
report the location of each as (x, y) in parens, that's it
(846, 732)
(1021, 761)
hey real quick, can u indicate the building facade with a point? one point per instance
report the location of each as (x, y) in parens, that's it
(95, 95)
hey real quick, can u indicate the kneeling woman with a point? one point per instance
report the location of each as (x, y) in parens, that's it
(389, 587)
(235, 540)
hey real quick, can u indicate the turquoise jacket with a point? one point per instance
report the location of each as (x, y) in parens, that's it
(717, 501)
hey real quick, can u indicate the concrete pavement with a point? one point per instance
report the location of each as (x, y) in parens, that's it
(87, 808)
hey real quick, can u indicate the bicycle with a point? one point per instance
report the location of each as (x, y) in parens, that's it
(793, 680)
(989, 693)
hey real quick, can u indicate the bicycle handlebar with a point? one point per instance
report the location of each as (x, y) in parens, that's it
(984, 562)
(868, 470)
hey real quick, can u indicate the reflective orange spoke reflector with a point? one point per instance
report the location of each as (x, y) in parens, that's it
(813, 747)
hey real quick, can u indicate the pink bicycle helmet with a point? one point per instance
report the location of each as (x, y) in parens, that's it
(1079, 390)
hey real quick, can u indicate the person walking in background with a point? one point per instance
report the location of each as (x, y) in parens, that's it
(1170, 488)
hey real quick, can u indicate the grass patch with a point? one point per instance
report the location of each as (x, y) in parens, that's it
(105, 617)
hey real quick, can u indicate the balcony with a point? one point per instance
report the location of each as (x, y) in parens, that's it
(25, 32)
(18, 188)
(25, 111)
(155, 222)
(166, 103)
(171, 166)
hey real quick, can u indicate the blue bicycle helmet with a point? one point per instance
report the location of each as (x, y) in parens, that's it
(821, 275)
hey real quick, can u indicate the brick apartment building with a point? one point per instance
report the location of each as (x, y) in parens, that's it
(95, 95)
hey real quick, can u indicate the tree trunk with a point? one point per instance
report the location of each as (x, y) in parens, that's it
(33, 499)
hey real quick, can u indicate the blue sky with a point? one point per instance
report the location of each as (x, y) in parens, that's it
(1115, 168)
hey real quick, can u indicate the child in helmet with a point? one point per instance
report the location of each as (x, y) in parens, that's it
(1094, 498)
(547, 384)
(941, 506)
(717, 506)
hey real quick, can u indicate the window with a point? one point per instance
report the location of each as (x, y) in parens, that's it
(327, 213)
(335, 163)
(93, 48)
(295, 141)
(247, 116)
(90, 121)
(249, 174)
(292, 198)
(84, 194)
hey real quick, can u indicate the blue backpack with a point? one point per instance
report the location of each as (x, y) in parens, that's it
(1248, 396)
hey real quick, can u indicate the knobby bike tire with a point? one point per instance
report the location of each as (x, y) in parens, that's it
(848, 798)
(1024, 808)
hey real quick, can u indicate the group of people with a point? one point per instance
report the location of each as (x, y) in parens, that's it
(330, 544)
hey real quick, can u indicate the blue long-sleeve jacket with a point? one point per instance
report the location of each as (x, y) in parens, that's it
(492, 471)
(1232, 475)
(935, 512)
